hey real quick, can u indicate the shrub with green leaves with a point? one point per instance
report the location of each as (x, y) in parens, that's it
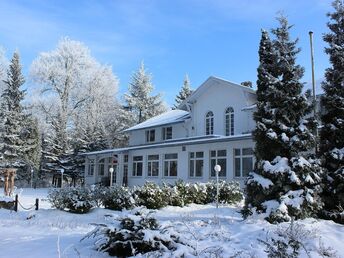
(117, 198)
(138, 233)
(151, 195)
(75, 200)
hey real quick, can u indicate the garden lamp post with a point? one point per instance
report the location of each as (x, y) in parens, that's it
(111, 175)
(31, 178)
(62, 171)
(217, 169)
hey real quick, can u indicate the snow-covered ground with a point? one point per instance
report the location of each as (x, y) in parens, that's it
(49, 233)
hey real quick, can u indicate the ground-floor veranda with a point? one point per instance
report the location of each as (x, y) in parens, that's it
(190, 161)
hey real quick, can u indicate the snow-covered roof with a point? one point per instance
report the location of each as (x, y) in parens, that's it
(170, 117)
(250, 107)
(177, 142)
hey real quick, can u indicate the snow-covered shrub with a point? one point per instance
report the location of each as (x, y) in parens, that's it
(174, 198)
(151, 196)
(135, 234)
(75, 200)
(229, 192)
(117, 198)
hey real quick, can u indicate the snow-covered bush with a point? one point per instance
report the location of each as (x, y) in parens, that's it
(75, 200)
(117, 198)
(151, 195)
(138, 233)
(229, 192)
(191, 193)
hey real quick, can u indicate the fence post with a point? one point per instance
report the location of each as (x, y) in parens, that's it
(36, 204)
(16, 203)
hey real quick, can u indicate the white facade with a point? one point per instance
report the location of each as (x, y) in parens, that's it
(213, 126)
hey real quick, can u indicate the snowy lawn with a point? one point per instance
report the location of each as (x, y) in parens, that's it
(52, 233)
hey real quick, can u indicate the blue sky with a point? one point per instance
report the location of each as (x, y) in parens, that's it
(197, 37)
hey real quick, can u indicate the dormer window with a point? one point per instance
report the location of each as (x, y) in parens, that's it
(167, 133)
(150, 135)
(209, 123)
(229, 121)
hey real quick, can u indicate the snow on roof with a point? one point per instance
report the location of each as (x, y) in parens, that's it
(250, 107)
(170, 117)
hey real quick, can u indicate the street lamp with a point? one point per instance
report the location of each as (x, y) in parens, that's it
(31, 177)
(62, 171)
(217, 169)
(111, 175)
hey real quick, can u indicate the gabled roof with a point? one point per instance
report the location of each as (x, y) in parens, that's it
(170, 117)
(213, 80)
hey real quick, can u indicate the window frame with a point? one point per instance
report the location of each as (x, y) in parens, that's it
(91, 167)
(150, 135)
(167, 164)
(101, 163)
(209, 123)
(229, 121)
(193, 160)
(136, 166)
(165, 134)
(150, 165)
(241, 158)
(216, 158)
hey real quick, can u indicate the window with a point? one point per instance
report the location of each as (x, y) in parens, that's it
(101, 167)
(153, 165)
(218, 157)
(170, 165)
(196, 164)
(90, 171)
(167, 133)
(209, 123)
(137, 165)
(243, 162)
(125, 170)
(150, 135)
(229, 121)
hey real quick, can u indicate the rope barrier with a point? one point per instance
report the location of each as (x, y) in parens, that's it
(27, 209)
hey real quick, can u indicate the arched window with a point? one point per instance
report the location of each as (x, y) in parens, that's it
(229, 120)
(209, 123)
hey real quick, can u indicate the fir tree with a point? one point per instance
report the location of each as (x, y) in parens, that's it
(284, 183)
(184, 93)
(12, 116)
(139, 99)
(332, 132)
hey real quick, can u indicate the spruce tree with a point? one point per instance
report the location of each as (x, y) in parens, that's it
(139, 99)
(184, 93)
(12, 116)
(332, 131)
(284, 183)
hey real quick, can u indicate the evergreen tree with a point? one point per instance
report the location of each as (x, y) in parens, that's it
(184, 93)
(284, 184)
(12, 116)
(139, 99)
(332, 132)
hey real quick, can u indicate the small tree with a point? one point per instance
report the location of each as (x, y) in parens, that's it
(332, 132)
(139, 99)
(184, 93)
(12, 116)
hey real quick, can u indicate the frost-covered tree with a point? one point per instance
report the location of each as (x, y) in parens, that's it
(332, 132)
(184, 93)
(12, 116)
(3, 69)
(285, 183)
(141, 103)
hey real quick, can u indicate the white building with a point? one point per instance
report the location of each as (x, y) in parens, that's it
(213, 126)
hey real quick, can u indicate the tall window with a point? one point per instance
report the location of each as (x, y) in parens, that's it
(125, 170)
(209, 123)
(153, 165)
(137, 165)
(229, 120)
(167, 133)
(101, 167)
(150, 135)
(243, 162)
(170, 165)
(218, 157)
(196, 164)
(90, 171)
